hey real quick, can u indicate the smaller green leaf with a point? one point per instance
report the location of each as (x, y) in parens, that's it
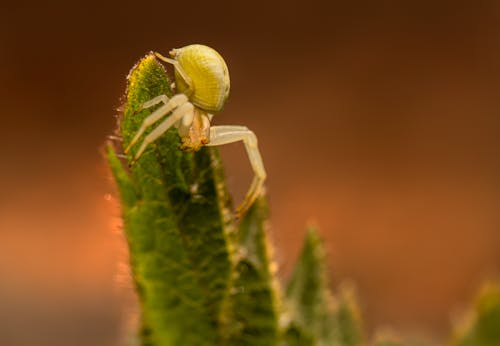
(388, 342)
(297, 336)
(387, 338)
(254, 298)
(482, 326)
(316, 317)
(348, 317)
(308, 300)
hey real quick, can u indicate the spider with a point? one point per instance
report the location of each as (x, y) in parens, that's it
(202, 85)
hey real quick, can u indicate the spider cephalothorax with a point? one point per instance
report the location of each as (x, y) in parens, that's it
(202, 85)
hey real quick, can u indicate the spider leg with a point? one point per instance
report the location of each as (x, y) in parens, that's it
(155, 101)
(220, 135)
(186, 109)
(169, 104)
(178, 68)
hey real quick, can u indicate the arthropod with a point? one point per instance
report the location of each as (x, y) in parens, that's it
(202, 88)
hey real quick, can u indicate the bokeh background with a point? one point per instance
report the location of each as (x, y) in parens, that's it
(378, 122)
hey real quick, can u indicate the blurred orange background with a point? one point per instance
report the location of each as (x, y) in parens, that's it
(377, 121)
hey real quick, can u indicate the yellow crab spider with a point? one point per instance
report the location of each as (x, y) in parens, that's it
(202, 86)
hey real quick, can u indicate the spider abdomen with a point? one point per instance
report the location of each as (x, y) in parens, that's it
(208, 73)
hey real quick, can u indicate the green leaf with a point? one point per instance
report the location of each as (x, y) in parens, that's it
(482, 326)
(316, 317)
(254, 299)
(177, 223)
(348, 317)
(388, 342)
(297, 336)
(387, 338)
(308, 299)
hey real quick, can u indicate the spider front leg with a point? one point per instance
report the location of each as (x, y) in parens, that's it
(169, 104)
(220, 135)
(180, 70)
(184, 110)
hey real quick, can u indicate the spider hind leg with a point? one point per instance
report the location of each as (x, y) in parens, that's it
(220, 135)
